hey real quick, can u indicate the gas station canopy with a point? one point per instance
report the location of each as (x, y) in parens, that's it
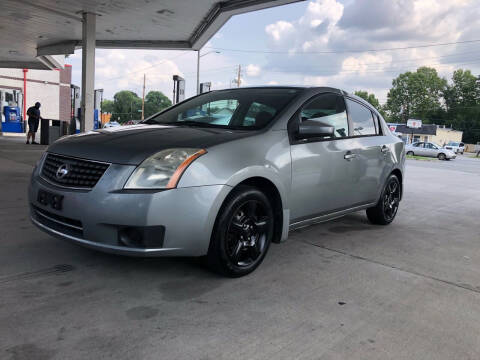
(32, 31)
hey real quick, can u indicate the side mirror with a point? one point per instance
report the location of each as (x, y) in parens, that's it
(312, 129)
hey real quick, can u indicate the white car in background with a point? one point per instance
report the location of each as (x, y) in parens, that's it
(111, 124)
(456, 147)
(429, 149)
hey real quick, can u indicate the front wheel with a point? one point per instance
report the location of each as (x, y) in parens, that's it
(410, 153)
(442, 156)
(384, 212)
(242, 234)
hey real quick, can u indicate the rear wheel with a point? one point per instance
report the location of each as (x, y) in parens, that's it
(384, 212)
(410, 153)
(442, 156)
(242, 234)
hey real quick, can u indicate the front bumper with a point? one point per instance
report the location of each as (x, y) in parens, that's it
(178, 222)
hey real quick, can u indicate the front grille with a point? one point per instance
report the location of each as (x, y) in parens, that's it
(62, 224)
(80, 173)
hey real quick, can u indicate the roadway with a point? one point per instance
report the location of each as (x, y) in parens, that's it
(339, 290)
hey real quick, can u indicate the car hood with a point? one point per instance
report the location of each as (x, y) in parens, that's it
(133, 144)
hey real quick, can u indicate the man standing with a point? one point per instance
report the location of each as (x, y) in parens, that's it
(34, 117)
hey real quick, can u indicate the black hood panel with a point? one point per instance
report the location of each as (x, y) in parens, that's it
(133, 144)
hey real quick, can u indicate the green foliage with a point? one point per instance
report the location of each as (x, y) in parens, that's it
(369, 97)
(372, 100)
(127, 105)
(107, 106)
(415, 95)
(424, 95)
(155, 101)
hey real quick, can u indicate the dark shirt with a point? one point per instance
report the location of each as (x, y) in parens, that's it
(33, 113)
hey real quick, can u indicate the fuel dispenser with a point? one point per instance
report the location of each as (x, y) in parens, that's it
(13, 121)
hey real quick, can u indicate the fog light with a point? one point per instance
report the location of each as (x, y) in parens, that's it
(141, 236)
(130, 237)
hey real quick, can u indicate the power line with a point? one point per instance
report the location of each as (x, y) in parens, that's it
(343, 51)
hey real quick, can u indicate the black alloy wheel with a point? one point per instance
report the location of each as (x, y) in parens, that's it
(386, 208)
(243, 232)
(247, 233)
(391, 199)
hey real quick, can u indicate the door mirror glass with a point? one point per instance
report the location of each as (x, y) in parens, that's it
(315, 129)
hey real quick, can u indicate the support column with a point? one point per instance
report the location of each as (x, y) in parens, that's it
(198, 72)
(88, 70)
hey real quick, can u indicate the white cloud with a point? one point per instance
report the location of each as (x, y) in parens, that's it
(280, 30)
(253, 70)
(328, 25)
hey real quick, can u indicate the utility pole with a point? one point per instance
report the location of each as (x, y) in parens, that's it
(238, 75)
(198, 66)
(143, 99)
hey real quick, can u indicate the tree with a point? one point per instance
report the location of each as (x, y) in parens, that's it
(369, 97)
(462, 99)
(464, 92)
(155, 101)
(416, 95)
(126, 106)
(107, 106)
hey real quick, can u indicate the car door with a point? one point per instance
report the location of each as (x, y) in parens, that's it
(373, 160)
(418, 149)
(321, 167)
(430, 150)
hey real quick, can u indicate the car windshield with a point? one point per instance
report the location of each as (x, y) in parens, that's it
(451, 143)
(233, 109)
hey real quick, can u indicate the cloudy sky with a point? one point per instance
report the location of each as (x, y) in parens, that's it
(350, 44)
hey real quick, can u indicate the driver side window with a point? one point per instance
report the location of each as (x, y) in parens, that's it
(328, 109)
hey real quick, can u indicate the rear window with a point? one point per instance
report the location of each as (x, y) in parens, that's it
(362, 119)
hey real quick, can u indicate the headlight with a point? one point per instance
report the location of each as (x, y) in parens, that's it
(163, 170)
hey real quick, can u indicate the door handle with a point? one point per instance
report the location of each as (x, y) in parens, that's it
(349, 156)
(385, 149)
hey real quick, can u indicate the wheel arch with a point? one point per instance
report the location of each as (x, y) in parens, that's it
(270, 189)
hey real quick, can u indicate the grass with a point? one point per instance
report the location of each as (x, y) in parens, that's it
(423, 158)
(474, 156)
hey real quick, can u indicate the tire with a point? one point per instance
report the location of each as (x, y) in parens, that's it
(242, 233)
(410, 153)
(387, 206)
(442, 156)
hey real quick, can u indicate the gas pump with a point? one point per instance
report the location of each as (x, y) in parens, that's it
(74, 127)
(11, 118)
(178, 89)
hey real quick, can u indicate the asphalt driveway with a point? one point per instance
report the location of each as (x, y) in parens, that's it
(338, 290)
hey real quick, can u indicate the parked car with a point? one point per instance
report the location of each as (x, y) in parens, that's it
(132, 122)
(430, 150)
(111, 124)
(181, 184)
(456, 147)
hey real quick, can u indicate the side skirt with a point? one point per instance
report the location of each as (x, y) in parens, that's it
(326, 217)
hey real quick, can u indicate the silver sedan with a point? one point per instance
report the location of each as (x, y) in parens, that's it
(430, 150)
(221, 175)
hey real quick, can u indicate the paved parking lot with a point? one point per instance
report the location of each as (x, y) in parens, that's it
(338, 290)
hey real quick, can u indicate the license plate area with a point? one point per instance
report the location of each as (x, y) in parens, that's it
(50, 199)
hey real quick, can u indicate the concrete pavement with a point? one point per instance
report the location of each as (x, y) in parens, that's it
(339, 290)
